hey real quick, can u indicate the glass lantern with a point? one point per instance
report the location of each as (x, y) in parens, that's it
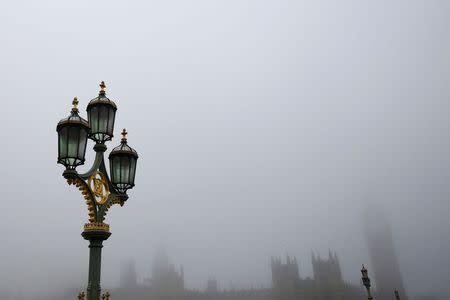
(73, 133)
(101, 115)
(122, 160)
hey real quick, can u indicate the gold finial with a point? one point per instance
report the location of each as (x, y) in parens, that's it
(75, 104)
(124, 135)
(81, 296)
(102, 87)
(105, 296)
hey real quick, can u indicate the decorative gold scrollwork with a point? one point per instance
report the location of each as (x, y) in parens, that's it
(81, 295)
(81, 185)
(106, 296)
(96, 227)
(98, 184)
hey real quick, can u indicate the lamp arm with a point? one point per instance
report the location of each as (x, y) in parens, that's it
(95, 166)
(97, 212)
(114, 197)
(102, 168)
(103, 209)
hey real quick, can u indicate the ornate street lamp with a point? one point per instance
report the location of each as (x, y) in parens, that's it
(366, 282)
(98, 190)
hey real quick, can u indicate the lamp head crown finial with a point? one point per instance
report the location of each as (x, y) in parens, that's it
(102, 88)
(124, 135)
(81, 296)
(75, 104)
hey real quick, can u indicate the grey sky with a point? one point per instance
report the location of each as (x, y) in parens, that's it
(262, 127)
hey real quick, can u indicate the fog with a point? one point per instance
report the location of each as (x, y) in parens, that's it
(264, 128)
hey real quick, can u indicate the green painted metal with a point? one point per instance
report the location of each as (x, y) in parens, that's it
(95, 239)
(99, 165)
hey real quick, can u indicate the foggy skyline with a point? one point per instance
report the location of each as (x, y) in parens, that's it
(263, 129)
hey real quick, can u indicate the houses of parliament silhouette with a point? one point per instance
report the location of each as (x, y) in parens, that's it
(327, 282)
(167, 282)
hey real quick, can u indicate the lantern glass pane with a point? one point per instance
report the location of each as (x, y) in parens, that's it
(133, 170)
(125, 169)
(111, 169)
(116, 169)
(82, 143)
(72, 145)
(93, 118)
(111, 118)
(94, 122)
(62, 143)
(103, 120)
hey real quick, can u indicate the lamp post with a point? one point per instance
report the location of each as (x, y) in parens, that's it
(99, 191)
(366, 282)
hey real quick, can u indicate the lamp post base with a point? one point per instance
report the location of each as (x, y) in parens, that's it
(95, 238)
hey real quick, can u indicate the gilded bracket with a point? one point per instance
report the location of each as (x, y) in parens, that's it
(96, 188)
(88, 197)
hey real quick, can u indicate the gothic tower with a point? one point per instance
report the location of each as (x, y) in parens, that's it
(128, 277)
(385, 266)
(166, 280)
(285, 277)
(327, 272)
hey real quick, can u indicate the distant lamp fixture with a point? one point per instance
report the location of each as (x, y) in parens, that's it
(366, 282)
(397, 296)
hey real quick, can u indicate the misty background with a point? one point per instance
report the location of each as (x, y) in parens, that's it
(263, 128)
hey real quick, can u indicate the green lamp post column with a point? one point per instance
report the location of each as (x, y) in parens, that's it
(95, 238)
(99, 192)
